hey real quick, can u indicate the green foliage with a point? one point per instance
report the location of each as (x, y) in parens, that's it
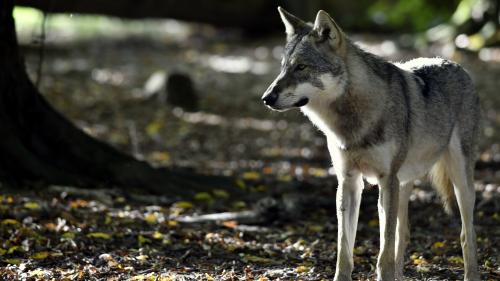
(411, 15)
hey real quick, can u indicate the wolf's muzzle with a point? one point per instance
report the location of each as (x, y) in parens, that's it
(270, 99)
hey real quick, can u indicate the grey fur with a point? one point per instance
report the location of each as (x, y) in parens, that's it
(390, 123)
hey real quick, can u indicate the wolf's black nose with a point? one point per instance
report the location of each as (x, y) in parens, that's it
(270, 99)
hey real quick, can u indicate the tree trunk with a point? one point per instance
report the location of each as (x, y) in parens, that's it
(38, 144)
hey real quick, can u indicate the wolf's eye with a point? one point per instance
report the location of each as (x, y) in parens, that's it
(300, 67)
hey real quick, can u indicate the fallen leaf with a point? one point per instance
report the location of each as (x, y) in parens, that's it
(219, 193)
(157, 235)
(100, 235)
(419, 261)
(251, 176)
(40, 255)
(172, 223)
(230, 224)
(456, 260)
(69, 235)
(438, 245)
(142, 258)
(204, 197)
(10, 221)
(251, 258)
(302, 269)
(184, 205)
(209, 277)
(32, 206)
(143, 240)
(13, 261)
(151, 218)
(373, 223)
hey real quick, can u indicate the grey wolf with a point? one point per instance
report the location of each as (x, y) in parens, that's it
(389, 123)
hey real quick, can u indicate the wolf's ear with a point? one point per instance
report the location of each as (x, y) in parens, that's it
(327, 30)
(292, 23)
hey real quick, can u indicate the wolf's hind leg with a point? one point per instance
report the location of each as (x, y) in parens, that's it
(461, 169)
(348, 201)
(402, 228)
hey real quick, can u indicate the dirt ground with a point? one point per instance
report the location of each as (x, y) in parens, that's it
(279, 160)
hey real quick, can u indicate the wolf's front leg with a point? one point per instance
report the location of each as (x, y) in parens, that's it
(348, 200)
(388, 213)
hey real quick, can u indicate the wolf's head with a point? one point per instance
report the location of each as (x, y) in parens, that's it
(312, 68)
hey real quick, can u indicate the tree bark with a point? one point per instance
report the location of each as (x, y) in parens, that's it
(38, 144)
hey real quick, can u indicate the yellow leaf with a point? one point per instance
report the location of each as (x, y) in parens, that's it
(302, 269)
(160, 156)
(40, 273)
(315, 228)
(108, 220)
(209, 277)
(257, 259)
(157, 235)
(32, 205)
(13, 249)
(3, 252)
(359, 250)
(219, 193)
(69, 235)
(456, 259)
(100, 235)
(373, 223)
(239, 205)
(251, 176)
(419, 261)
(40, 255)
(184, 205)
(13, 261)
(285, 178)
(204, 197)
(172, 223)
(10, 221)
(143, 240)
(241, 184)
(153, 128)
(151, 218)
(139, 277)
(437, 245)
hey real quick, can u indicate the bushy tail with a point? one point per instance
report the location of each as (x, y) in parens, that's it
(442, 182)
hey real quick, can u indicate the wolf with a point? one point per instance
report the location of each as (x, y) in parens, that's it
(390, 123)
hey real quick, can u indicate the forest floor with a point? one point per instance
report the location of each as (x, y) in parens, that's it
(282, 227)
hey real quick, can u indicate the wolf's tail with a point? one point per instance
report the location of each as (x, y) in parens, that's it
(442, 182)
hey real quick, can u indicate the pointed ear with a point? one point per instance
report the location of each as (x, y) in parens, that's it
(327, 30)
(292, 23)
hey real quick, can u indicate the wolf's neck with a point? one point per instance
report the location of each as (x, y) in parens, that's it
(347, 119)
